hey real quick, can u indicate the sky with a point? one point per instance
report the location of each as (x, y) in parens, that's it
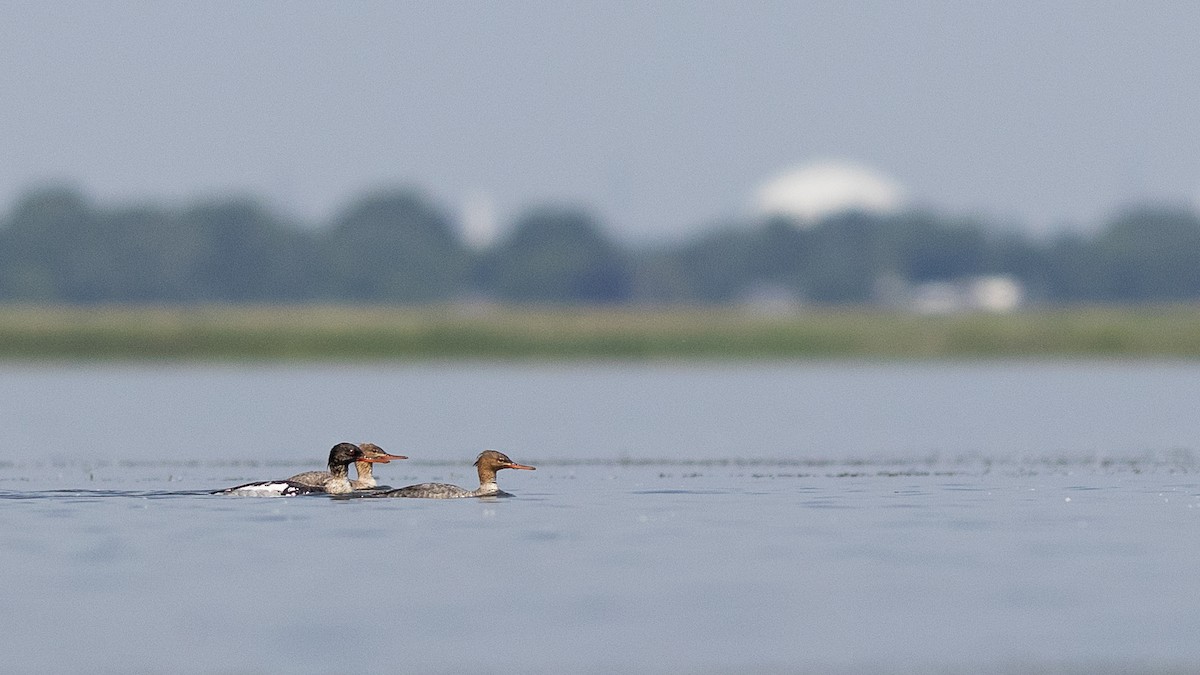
(663, 118)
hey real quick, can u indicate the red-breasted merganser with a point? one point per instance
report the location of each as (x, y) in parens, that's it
(372, 454)
(335, 481)
(488, 463)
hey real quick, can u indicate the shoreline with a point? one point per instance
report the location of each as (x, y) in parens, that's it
(347, 333)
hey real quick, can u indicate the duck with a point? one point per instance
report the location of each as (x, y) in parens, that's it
(487, 463)
(372, 454)
(335, 481)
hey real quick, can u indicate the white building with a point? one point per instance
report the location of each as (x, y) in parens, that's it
(998, 294)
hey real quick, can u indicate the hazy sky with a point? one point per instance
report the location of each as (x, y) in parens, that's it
(663, 116)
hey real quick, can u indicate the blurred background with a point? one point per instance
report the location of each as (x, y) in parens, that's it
(925, 156)
(226, 226)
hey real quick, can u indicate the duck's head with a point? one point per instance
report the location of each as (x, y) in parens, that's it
(343, 454)
(374, 454)
(493, 460)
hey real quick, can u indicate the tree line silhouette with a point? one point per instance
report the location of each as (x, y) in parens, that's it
(400, 247)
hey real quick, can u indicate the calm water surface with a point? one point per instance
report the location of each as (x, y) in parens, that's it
(995, 517)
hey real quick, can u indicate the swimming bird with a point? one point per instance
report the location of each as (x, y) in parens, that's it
(372, 454)
(335, 481)
(488, 463)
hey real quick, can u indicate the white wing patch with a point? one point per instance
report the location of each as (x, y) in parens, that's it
(264, 489)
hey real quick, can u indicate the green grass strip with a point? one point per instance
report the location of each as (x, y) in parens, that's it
(370, 333)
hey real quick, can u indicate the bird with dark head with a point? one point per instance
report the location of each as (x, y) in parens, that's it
(334, 481)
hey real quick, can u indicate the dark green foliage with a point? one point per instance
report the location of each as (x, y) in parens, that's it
(718, 267)
(394, 247)
(397, 247)
(560, 256)
(846, 257)
(1151, 254)
(46, 252)
(241, 253)
(927, 248)
(59, 247)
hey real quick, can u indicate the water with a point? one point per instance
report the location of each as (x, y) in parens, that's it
(826, 517)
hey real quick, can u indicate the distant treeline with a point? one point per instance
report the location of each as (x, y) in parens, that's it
(399, 247)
